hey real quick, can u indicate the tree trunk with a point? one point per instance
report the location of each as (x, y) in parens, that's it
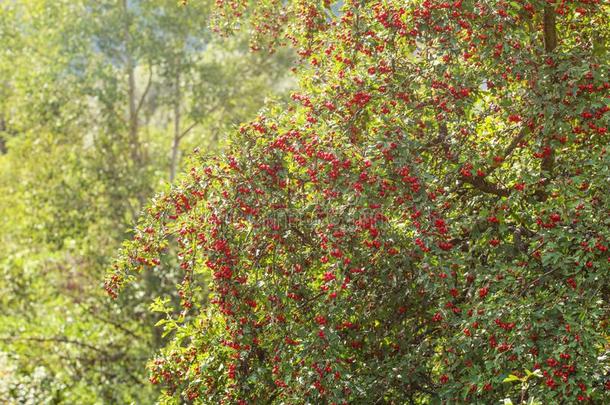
(550, 29)
(177, 134)
(2, 140)
(133, 116)
(134, 141)
(548, 161)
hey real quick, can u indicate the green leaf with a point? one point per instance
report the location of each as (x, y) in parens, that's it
(511, 378)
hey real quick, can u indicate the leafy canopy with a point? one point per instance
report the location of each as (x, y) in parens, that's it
(426, 218)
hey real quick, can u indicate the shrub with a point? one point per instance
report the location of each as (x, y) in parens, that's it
(429, 215)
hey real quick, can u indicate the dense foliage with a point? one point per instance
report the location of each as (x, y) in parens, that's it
(98, 100)
(427, 220)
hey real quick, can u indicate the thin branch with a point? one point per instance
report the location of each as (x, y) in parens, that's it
(115, 324)
(58, 340)
(487, 187)
(536, 281)
(510, 148)
(146, 90)
(187, 130)
(477, 182)
(304, 238)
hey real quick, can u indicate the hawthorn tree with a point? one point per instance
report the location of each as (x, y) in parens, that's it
(427, 221)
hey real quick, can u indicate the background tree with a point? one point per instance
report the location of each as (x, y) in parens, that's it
(84, 140)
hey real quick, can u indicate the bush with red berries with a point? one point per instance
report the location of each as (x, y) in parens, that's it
(428, 220)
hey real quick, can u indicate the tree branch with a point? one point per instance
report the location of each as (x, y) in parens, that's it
(60, 339)
(487, 187)
(187, 130)
(146, 90)
(510, 148)
(115, 324)
(477, 182)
